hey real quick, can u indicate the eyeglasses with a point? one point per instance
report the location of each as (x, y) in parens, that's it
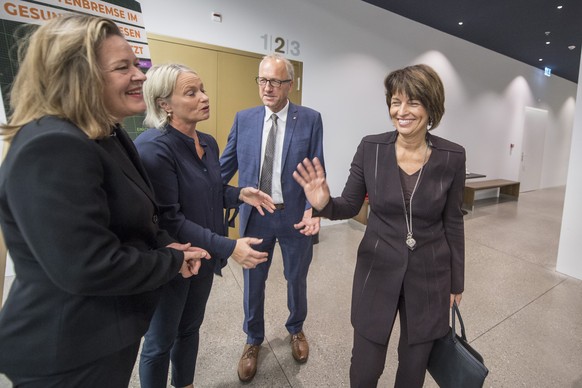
(276, 83)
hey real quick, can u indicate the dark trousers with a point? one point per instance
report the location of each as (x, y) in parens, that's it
(297, 252)
(173, 334)
(112, 371)
(368, 359)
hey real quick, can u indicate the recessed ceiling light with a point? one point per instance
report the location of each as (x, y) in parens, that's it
(460, 23)
(541, 59)
(571, 47)
(547, 42)
(560, 6)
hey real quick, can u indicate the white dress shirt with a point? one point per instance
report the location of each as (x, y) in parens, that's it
(276, 189)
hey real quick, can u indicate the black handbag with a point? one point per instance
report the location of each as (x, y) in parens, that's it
(453, 363)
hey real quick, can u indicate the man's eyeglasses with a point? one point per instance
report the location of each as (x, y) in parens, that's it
(276, 83)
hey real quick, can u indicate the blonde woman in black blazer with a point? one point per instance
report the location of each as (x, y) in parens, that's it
(411, 259)
(78, 213)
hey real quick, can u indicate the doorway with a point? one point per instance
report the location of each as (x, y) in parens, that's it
(532, 152)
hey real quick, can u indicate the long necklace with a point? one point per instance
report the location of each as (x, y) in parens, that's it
(410, 241)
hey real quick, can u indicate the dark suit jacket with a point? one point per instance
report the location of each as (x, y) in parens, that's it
(80, 223)
(431, 272)
(189, 191)
(303, 139)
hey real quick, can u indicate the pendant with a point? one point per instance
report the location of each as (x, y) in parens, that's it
(410, 242)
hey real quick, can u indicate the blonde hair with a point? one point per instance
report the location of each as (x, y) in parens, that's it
(59, 75)
(160, 85)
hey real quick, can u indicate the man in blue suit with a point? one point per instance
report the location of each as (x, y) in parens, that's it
(265, 145)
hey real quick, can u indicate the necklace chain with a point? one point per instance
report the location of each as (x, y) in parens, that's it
(410, 241)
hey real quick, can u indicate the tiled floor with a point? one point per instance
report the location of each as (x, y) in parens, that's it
(525, 318)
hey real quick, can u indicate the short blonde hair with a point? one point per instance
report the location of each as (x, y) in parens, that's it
(422, 83)
(160, 85)
(59, 75)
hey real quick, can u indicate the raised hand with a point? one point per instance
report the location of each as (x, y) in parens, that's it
(245, 255)
(311, 177)
(257, 199)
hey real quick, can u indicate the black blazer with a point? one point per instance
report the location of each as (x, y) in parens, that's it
(80, 223)
(431, 272)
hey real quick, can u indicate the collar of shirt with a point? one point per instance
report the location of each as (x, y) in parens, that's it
(175, 132)
(189, 142)
(281, 115)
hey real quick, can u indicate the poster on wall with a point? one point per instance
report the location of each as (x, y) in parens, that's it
(16, 13)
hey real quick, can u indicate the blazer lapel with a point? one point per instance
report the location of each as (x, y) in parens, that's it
(124, 153)
(256, 145)
(289, 129)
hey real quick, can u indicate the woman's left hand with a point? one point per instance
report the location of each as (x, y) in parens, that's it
(457, 298)
(309, 225)
(257, 199)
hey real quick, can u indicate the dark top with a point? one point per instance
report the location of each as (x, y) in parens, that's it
(408, 182)
(81, 224)
(189, 191)
(385, 265)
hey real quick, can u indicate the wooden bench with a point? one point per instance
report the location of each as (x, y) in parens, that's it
(510, 188)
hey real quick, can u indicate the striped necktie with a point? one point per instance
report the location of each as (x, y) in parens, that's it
(267, 169)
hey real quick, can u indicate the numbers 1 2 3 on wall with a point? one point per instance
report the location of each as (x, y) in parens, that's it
(281, 45)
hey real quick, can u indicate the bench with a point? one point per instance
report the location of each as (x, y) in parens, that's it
(510, 188)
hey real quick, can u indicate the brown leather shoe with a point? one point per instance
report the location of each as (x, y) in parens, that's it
(299, 347)
(247, 366)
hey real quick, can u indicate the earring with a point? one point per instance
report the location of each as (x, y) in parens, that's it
(429, 126)
(169, 115)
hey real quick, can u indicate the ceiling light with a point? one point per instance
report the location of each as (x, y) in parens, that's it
(460, 23)
(548, 42)
(571, 47)
(547, 33)
(541, 59)
(560, 6)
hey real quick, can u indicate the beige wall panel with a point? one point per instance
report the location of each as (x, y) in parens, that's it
(237, 89)
(295, 95)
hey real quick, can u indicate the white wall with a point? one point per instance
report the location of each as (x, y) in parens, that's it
(348, 47)
(569, 257)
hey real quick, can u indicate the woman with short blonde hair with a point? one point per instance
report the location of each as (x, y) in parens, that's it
(183, 165)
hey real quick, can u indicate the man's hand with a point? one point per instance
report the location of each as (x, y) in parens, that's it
(245, 255)
(257, 199)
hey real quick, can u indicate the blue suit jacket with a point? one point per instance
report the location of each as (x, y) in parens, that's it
(303, 139)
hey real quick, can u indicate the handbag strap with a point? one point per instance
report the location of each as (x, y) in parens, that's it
(455, 311)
